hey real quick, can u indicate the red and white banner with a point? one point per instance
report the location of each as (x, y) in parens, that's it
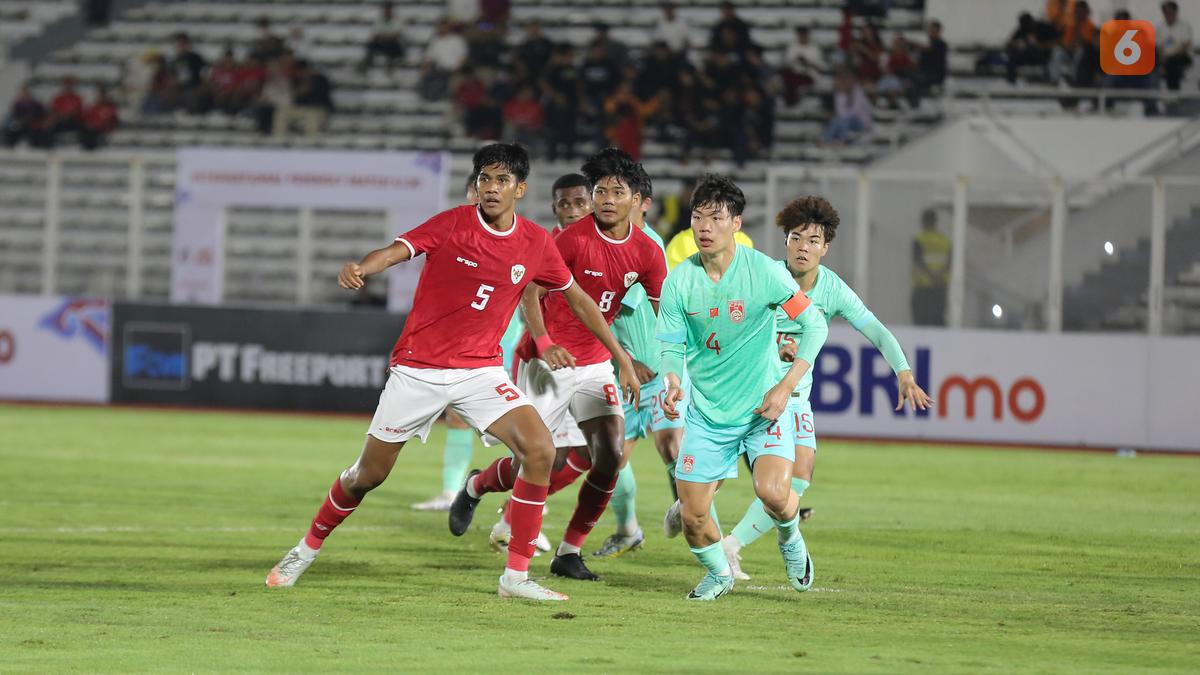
(1066, 389)
(409, 186)
(53, 348)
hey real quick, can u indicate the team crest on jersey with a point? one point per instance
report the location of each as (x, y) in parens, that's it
(630, 277)
(737, 311)
(517, 272)
(689, 462)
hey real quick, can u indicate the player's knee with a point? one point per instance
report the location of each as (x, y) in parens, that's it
(538, 455)
(361, 479)
(774, 494)
(694, 523)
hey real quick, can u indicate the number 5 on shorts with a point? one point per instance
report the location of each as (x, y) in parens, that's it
(507, 391)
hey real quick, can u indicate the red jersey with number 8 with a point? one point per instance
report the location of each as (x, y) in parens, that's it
(471, 284)
(605, 268)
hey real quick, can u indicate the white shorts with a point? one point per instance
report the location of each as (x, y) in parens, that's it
(568, 434)
(586, 392)
(414, 398)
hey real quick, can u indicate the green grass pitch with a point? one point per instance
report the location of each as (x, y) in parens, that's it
(138, 540)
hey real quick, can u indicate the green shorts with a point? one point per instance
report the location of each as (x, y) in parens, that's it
(800, 410)
(710, 451)
(649, 414)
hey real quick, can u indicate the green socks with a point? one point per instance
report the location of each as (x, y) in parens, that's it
(713, 559)
(624, 501)
(757, 522)
(788, 530)
(456, 458)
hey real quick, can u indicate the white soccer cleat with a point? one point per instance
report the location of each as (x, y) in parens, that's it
(438, 503)
(528, 589)
(733, 555)
(673, 521)
(285, 573)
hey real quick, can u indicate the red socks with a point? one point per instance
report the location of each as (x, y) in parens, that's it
(496, 478)
(525, 515)
(336, 507)
(594, 495)
(571, 469)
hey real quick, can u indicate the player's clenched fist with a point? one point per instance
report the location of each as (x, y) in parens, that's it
(674, 396)
(774, 402)
(351, 276)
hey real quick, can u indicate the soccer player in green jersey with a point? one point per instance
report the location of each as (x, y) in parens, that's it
(717, 315)
(634, 328)
(809, 225)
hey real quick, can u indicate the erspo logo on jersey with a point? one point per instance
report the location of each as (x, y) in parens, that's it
(959, 395)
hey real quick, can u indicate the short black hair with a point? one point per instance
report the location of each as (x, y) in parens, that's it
(804, 211)
(511, 156)
(717, 190)
(645, 186)
(570, 180)
(613, 163)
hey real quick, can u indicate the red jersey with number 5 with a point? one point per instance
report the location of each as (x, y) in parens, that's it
(605, 268)
(471, 284)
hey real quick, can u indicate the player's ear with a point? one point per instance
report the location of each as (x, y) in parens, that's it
(521, 187)
(647, 202)
(737, 223)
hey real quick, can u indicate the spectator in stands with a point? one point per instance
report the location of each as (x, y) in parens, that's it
(495, 12)
(626, 115)
(267, 46)
(189, 70)
(26, 121)
(136, 75)
(1174, 38)
(730, 21)
(599, 76)
(535, 52)
(900, 73)
(525, 119)
(697, 109)
(1029, 45)
(851, 109)
(162, 94)
(486, 47)
(562, 84)
(1076, 57)
(865, 53)
(444, 55)
(386, 41)
(930, 273)
(657, 79)
(480, 115)
(274, 99)
(99, 120)
(614, 50)
(223, 84)
(312, 100)
(66, 111)
(803, 62)
(251, 76)
(1060, 14)
(672, 29)
(931, 60)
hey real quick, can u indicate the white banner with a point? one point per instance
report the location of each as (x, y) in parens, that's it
(1025, 388)
(53, 348)
(409, 186)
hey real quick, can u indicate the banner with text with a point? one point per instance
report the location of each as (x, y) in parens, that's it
(409, 186)
(53, 348)
(1025, 388)
(251, 358)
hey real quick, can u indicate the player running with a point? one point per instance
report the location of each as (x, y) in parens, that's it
(809, 225)
(571, 199)
(562, 367)
(634, 329)
(479, 259)
(718, 316)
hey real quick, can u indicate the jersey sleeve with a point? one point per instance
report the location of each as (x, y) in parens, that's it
(428, 236)
(554, 274)
(784, 293)
(672, 326)
(844, 302)
(655, 273)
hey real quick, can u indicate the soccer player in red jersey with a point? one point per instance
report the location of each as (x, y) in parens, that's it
(479, 259)
(562, 367)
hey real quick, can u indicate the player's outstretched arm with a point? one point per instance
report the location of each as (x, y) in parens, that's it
(531, 307)
(376, 261)
(585, 309)
(893, 353)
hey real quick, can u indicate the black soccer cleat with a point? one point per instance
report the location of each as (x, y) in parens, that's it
(571, 565)
(805, 514)
(462, 509)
